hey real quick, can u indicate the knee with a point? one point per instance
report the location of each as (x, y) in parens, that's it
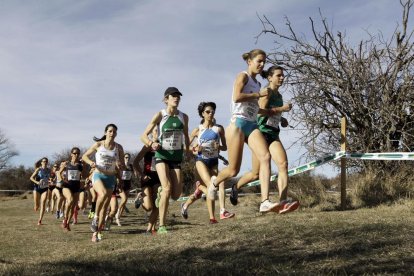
(282, 166)
(166, 192)
(264, 158)
(233, 172)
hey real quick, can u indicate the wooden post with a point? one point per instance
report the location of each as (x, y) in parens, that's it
(343, 164)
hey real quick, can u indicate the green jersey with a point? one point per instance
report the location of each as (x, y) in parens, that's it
(271, 124)
(171, 137)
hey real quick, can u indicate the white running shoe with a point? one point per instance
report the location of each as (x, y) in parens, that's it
(267, 206)
(212, 189)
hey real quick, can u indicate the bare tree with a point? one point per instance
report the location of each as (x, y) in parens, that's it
(370, 84)
(7, 150)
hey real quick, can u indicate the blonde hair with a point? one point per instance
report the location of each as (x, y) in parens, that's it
(253, 53)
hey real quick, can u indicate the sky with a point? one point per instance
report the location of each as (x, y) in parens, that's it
(68, 68)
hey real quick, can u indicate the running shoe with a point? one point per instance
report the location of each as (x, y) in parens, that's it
(234, 195)
(197, 192)
(267, 206)
(226, 215)
(64, 224)
(99, 236)
(288, 206)
(162, 230)
(47, 209)
(91, 215)
(118, 222)
(138, 200)
(213, 221)
(150, 233)
(184, 212)
(57, 215)
(157, 200)
(95, 237)
(39, 222)
(212, 189)
(94, 225)
(126, 210)
(108, 223)
(61, 214)
(67, 228)
(75, 214)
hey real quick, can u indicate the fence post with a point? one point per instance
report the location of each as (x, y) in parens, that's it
(343, 164)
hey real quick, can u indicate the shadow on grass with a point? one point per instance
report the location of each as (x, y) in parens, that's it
(351, 251)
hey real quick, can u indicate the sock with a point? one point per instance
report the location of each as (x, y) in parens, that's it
(222, 210)
(93, 207)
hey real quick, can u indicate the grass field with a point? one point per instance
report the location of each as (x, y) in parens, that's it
(365, 241)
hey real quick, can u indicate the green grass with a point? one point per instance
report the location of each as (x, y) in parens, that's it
(365, 241)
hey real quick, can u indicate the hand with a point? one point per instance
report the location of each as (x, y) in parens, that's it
(287, 107)
(155, 146)
(284, 122)
(145, 178)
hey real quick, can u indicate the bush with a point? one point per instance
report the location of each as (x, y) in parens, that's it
(374, 188)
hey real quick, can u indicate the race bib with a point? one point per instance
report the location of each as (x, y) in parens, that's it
(209, 150)
(126, 175)
(274, 121)
(250, 110)
(74, 175)
(153, 164)
(172, 140)
(43, 183)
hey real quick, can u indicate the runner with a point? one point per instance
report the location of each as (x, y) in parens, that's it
(149, 183)
(126, 177)
(75, 171)
(209, 135)
(172, 127)
(40, 178)
(91, 194)
(243, 129)
(107, 154)
(269, 126)
(51, 202)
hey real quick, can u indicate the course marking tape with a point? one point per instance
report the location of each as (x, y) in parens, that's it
(382, 156)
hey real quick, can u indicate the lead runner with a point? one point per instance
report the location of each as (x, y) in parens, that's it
(172, 127)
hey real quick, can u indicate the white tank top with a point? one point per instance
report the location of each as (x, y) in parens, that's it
(106, 159)
(247, 110)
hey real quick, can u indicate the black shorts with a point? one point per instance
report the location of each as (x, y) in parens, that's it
(154, 180)
(171, 164)
(73, 186)
(127, 185)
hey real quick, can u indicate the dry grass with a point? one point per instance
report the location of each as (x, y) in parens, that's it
(374, 241)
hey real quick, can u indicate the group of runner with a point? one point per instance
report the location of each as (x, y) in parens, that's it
(256, 117)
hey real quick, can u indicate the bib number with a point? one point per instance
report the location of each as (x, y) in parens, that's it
(126, 175)
(274, 121)
(172, 140)
(153, 169)
(43, 183)
(250, 110)
(74, 175)
(209, 150)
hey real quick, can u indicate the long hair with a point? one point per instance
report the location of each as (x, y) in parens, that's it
(106, 129)
(39, 162)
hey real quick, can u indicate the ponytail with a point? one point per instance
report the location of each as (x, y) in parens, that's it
(252, 54)
(106, 129)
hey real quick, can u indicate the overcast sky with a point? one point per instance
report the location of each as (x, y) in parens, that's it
(68, 68)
